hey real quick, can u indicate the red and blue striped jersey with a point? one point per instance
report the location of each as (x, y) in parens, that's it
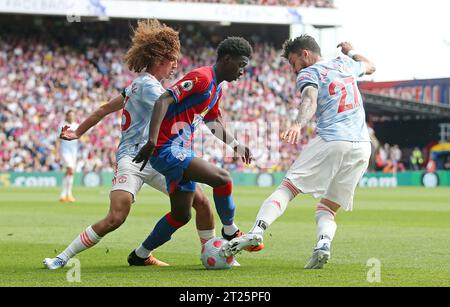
(197, 97)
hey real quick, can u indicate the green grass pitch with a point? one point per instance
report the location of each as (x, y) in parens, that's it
(406, 229)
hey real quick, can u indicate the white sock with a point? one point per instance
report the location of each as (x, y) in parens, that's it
(230, 229)
(84, 240)
(274, 206)
(64, 188)
(326, 224)
(206, 235)
(69, 185)
(142, 252)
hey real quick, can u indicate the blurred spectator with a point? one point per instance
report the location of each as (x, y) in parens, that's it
(416, 159)
(447, 163)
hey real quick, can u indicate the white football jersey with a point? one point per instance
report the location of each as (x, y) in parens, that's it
(140, 98)
(340, 111)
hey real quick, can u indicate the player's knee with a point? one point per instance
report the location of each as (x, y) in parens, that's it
(115, 220)
(224, 178)
(182, 217)
(201, 202)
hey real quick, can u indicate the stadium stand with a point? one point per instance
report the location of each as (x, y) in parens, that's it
(296, 3)
(41, 79)
(44, 73)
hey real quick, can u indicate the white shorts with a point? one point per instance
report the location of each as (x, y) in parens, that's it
(128, 177)
(69, 160)
(330, 170)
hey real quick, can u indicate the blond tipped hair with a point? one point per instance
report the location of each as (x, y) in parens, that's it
(152, 42)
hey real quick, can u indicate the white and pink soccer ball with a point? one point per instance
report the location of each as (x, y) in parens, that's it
(211, 258)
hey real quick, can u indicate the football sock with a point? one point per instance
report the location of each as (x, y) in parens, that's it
(69, 182)
(206, 235)
(84, 240)
(142, 252)
(274, 206)
(224, 204)
(64, 188)
(162, 232)
(230, 230)
(326, 224)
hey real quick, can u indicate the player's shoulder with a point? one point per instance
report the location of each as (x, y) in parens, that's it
(308, 73)
(147, 80)
(205, 73)
(145, 83)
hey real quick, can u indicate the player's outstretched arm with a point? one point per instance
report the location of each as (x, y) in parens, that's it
(219, 131)
(348, 50)
(307, 109)
(159, 111)
(113, 105)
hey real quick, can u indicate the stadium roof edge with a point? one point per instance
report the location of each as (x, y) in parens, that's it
(182, 11)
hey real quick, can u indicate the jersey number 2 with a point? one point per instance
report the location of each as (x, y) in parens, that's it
(343, 105)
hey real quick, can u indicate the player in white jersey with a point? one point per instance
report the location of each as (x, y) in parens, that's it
(68, 152)
(154, 53)
(331, 165)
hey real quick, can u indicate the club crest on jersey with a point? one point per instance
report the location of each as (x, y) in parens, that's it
(187, 85)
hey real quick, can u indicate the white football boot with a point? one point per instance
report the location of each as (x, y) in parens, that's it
(247, 242)
(319, 257)
(53, 263)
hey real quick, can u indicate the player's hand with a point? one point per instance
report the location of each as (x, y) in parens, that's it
(144, 154)
(245, 153)
(292, 135)
(345, 47)
(67, 134)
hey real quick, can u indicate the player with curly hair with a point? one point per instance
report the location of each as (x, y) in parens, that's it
(154, 54)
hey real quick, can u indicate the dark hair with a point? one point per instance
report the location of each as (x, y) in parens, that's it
(303, 42)
(152, 41)
(234, 46)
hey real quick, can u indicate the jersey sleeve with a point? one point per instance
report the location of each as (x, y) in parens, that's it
(307, 77)
(358, 69)
(193, 83)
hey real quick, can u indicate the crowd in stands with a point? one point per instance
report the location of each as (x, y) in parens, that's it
(291, 3)
(40, 81)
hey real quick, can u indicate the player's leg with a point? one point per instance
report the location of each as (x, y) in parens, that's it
(125, 187)
(179, 215)
(339, 194)
(326, 229)
(69, 182)
(204, 217)
(271, 209)
(119, 209)
(220, 180)
(63, 195)
(304, 176)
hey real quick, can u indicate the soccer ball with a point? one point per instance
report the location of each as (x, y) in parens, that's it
(211, 258)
